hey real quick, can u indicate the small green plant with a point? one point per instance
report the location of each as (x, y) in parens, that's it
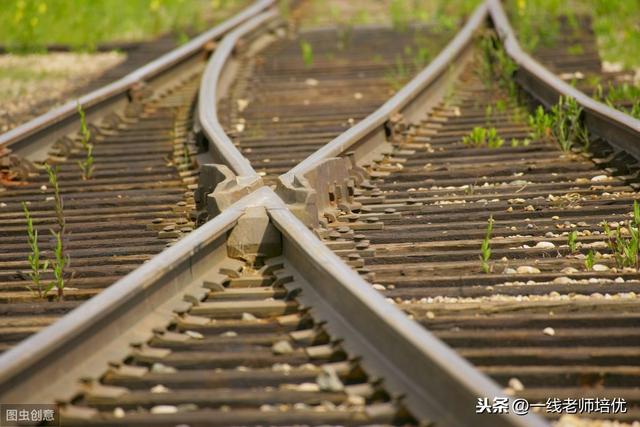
(540, 122)
(624, 245)
(58, 265)
(480, 137)
(186, 156)
(86, 165)
(572, 239)
(37, 266)
(61, 259)
(566, 125)
(53, 181)
(399, 14)
(497, 65)
(307, 53)
(485, 249)
(590, 260)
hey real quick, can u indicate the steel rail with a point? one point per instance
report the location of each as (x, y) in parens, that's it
(32, 139)
(616, 127)
(412, 100)
(49, 362)
(437, 384)
(220, 145)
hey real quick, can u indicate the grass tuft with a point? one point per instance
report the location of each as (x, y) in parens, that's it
(485, 249)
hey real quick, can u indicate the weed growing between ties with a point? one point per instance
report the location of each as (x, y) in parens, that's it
(86, 165)
(482, 137)
(485, 249)
(623, 242)
(590, 260)
(61, 259)
(563, 122)
(307, 53)
(37, 266)
(619, 95)
(572, 239)
(497, 66)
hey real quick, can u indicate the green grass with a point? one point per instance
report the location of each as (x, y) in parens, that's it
(30, 25)
(307, 53)
(37, 266)
(483, 137)
(572, 239)
(485, 248)
(615, 23)
(624, 245)
(86, 165)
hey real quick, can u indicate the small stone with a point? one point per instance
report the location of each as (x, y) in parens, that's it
(619, 280)
(267, 408)
(328, 380)
(229, 334)
(164, 409)
(379, 287)
(118, 412)
(562, 280)
(312, 387)
(545, 245)
(569, 270)
(549, 331)
(248, 317)
(311, 82)
(281, 367)
(600, 178)
(526, 269)
(430, 315)
(515, 384)
(159, 389)
(355, 400)
(600, 267)
(43, 187)
(509, 271)
(159, 368)
(195, 335)
(282, 347)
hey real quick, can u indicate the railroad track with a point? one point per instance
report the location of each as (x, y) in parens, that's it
(250, 319)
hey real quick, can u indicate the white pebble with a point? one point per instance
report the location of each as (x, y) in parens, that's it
(164, 409)
(545, 245)
(600, 267)
(248, 317)
(549, 331)
(282, 347)
(526, 269)
(516, 384)
(159, 389)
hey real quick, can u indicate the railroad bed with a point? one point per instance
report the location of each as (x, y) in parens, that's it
(281, 109)
(137, 202)
(247, 354)
(575, 58)
(251, 319)
(539, 322)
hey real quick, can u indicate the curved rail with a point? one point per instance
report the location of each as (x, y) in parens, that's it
(223, 149)
(438, 385)
(416, 93)
(33, 138)
(618, 128)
